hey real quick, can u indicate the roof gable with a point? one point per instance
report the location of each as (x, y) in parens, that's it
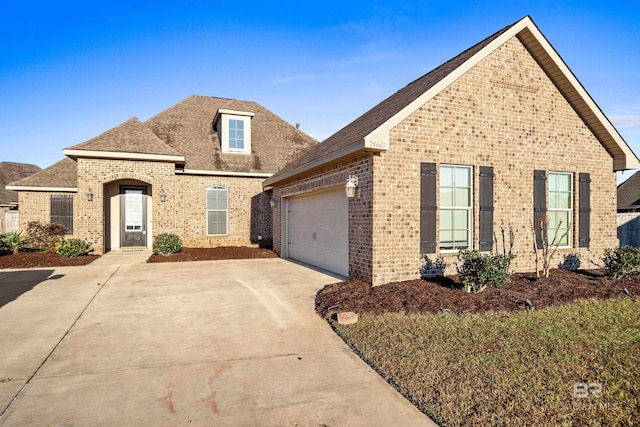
(371, 130)
(131, 139)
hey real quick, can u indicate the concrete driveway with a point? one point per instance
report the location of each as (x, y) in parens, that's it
(231, 343)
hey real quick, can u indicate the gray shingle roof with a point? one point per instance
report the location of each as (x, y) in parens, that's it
(63, 174)
(188, 128)
(10, 172)
(365, 124)
(629, 194)
(131, 136)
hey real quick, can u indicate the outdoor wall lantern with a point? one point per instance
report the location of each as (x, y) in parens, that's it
(272, 202)
(163, 195)
(350, 186)
(90, 195)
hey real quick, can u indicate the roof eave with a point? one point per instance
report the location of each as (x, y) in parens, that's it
(45, 189)
(231, 112)
(74, 154)
(352, 149)
(223, 173)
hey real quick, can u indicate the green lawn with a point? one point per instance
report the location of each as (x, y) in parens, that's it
(525, 368)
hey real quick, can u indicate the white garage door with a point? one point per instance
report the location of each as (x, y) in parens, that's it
(318, 232)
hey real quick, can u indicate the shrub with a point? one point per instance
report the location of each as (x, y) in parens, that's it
(622, 262)
(73, 247)
(43, 237)
(11, 242)
(432, 268)
(479, 270)
(167, 243)
(570, 262)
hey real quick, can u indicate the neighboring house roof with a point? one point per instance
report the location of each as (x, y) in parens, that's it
(61, 176)
(129, 140)
(188, 128)
(629, 194)
(371, 130)
(10, 172)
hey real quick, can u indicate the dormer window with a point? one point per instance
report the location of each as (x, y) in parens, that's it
(234, 130)
(236, 134)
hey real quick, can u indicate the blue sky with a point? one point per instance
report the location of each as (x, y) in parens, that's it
(72, 70)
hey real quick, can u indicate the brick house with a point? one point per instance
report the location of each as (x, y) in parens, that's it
(9, 172)
(629, 212)
(492, 139)
(196, 169)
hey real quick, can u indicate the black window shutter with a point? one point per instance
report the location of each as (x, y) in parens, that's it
(428, 241)
(62, 211)
(486, 208)
(584, 193)
(539, 201)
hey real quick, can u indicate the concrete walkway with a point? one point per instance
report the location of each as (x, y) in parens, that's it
(231, 343)
(116, 258)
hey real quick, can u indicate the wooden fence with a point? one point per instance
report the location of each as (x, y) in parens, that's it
(8, 221)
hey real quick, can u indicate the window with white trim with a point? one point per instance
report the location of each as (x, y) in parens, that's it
(560, 210)
(234, 130)
(217, 211)
(455, 207)
(236, 134)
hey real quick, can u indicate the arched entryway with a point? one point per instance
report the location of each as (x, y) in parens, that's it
(127, 214)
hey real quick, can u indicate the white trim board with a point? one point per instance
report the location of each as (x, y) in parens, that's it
(46, 189)
(223, 173)
(125, 156)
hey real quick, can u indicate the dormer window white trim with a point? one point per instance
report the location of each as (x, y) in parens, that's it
(234, 130)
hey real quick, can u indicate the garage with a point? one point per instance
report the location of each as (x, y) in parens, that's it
(318, 230)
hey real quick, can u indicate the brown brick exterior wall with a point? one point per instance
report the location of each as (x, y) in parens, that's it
(36, 206)
(504, 113)
(89, 222)
(183, 212)
(191, 213)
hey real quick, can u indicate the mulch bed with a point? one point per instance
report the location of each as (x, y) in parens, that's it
(211, 254)
(42, 259)
(430, 296)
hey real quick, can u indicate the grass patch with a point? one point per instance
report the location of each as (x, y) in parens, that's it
(514, 369)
